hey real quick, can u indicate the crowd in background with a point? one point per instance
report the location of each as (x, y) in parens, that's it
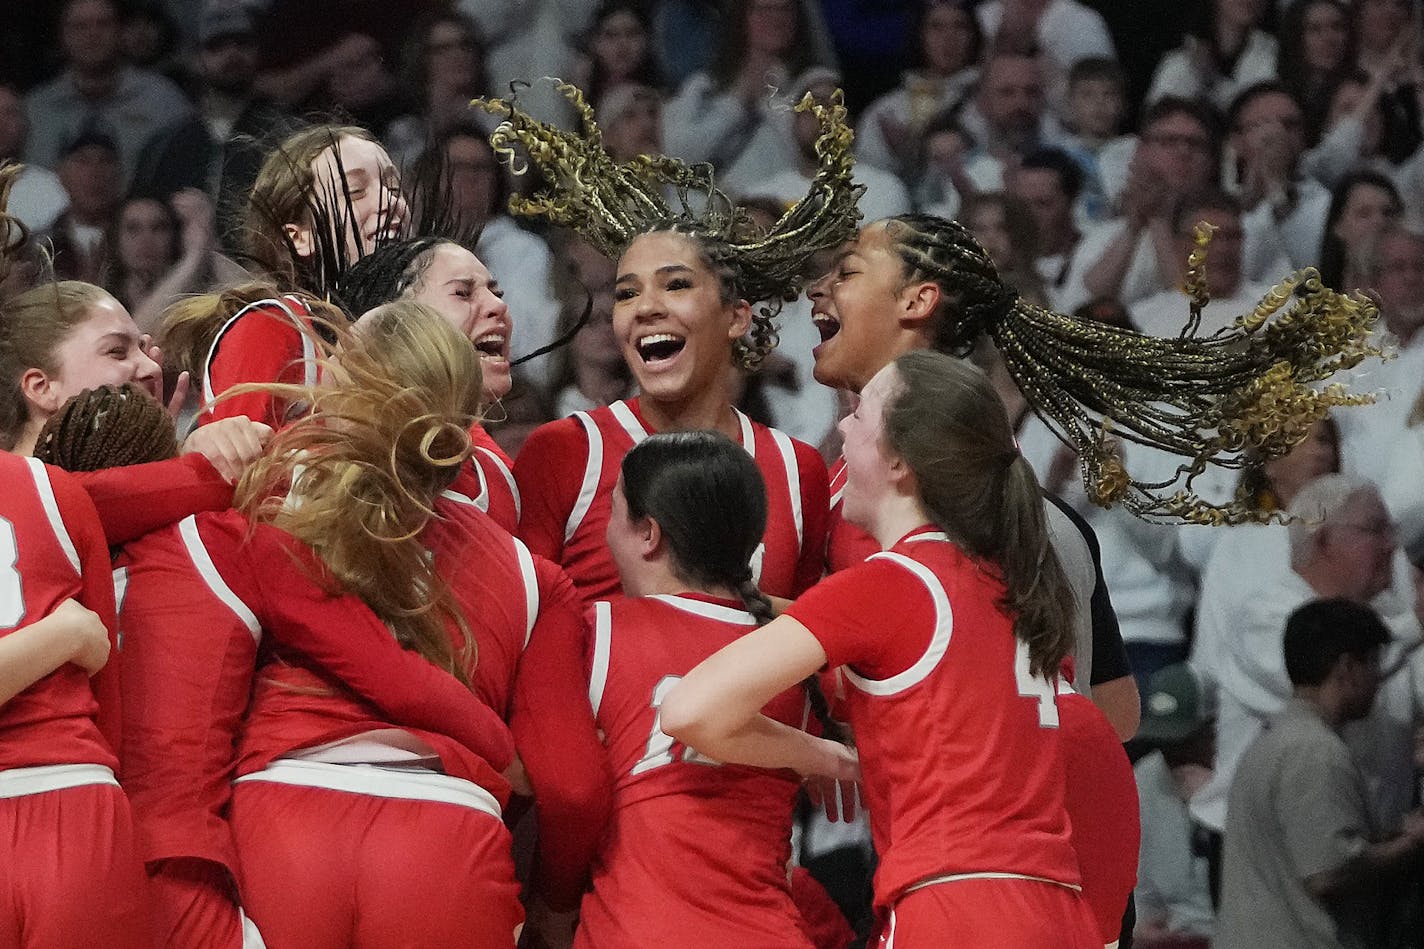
(1081, 143)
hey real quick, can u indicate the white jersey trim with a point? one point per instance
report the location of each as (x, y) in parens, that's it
(401, 783)
(793, 482)
(939, 642)
(203, 562)
(308, 347)
(251, 938)
(22, 782)
(503, 469)
(748, 433)
(592, 472)
(51, 509)
(838, 493)
(459, 498)
(602, 647)
(623, 414)
(531, 588)
(989, 875)
(723, 614)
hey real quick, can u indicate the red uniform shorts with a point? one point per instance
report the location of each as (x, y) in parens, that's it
(193, 905)
(330, 869)
(991, 914)
(69, 872)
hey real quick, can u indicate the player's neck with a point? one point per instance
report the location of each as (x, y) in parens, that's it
(710, 410)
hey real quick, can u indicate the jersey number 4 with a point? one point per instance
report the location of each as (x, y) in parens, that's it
(659, 751)
(12, 599)
(1035, 687)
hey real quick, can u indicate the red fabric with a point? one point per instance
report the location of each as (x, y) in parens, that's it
(261, 345)
(193, 905)
(822, 921)
(846, 545)
(1101, 795)
(66, 717)
(991, 914)
(488, 481)
(400, 873)
(550, 472)
(137, 499)
(962, 765)
(70, 876)
(696, 852)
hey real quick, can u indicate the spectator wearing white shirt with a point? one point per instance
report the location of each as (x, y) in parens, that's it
(1228, 52)
(1097, 104)
(1317, 53)
(36, 197)
(1048, 183)
(1006, 118)
(948, 43)
(1065, 31)
(1362, 205)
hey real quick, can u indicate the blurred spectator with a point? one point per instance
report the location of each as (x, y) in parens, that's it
(1006, 118)
(716, 115)
(1174, 909)
(36, 197)
(589, 371)
(1097, 103)
(1317, 53)
(1342, 543)
(1395, 270)
(517, 258)
(618, 50)
(1134, 255)
(947, 48)
(1362, 205)
(219, 148)
(938, 177)
(1380, 23)
(89, 170)
(631, 118)
(797, 132)
(1225, 53)
(1063, 31)
(1166, 313)
(98, 92)
(1005, 227)
(362, 86)
(1305, 859)
(1284, 211)
(160, 251)
(1048, 182)
(150, 39)
(444, 69)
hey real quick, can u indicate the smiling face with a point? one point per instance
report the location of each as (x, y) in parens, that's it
(1368, 209)
(671, 316)
(867, 458)
(859, 329)
(459, 287)
(377, 209)
(103, 349)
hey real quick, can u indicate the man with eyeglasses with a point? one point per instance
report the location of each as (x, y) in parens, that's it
(1342, 543)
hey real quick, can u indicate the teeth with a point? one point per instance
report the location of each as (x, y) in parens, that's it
(659, 338)
(493, 339)
(825, 318)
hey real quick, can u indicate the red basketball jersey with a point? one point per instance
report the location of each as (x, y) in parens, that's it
(265, 341)
(959, 744)
(487, 481)
(846, 544)
(52, 549)
(566, 473)
(696, 852)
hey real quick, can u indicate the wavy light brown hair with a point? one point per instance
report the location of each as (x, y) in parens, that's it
(356, 479)
(947, 424)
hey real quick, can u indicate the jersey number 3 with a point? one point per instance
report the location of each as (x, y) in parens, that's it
(12, 600)
(659, 751)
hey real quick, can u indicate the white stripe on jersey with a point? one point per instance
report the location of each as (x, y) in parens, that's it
(251, 938)
(625, 417)
(793, 481)
(459, 498)
(308, 349)
(406, 784)
(602, 646)
(531, 588)
(482, 500)
(508, 476)
(51, 509)
(592, 471)
(121, 589)
(724, 614)
(188, 530)
(748, 433)
(939, 643)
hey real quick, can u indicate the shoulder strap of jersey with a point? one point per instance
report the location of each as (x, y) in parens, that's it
(531, 587)
(787, 450)
(208, 571)
(503, 469)
(287, 305)
(45, 490)
(602, 646)
(592, 472)
(939, 642)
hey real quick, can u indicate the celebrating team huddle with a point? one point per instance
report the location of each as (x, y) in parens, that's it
(292, 681)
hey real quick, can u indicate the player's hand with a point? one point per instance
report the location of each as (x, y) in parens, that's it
(834, 784)
(88, 635)
(231, 444)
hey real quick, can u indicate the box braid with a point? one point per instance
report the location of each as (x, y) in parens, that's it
(107, 427)
(1235, 398)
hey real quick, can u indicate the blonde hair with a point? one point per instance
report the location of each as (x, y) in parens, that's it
(356, 479)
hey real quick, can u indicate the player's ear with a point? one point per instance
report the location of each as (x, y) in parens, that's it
(651, 536)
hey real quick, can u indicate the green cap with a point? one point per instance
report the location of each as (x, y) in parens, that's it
(1174, 706)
